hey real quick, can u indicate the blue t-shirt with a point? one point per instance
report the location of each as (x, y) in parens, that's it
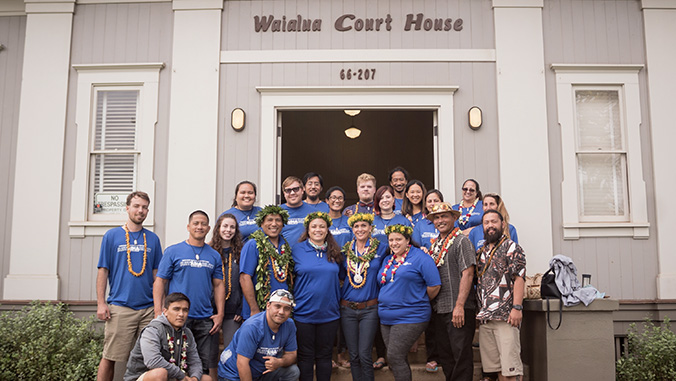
(476, 236)
(341, 230)
(370, 289)
(254, 340)
(379, 224)
(316, 285)
(294, 226)
(321, 206)
(248, 261)
(246, 220)
(474, 219)
(126, 289)
(192, 276)
(405, 300)
(423, 233)
(415, 218)
(398, 202)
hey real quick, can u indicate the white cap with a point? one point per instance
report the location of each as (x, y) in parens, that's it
(278, 296)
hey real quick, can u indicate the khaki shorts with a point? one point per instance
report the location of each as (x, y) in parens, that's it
(500, 347)
(122, 329)
(144, 375)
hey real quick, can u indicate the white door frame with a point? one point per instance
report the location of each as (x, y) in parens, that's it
(275, 99)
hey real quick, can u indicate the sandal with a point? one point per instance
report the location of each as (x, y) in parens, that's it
(379, 365)
(432, 367)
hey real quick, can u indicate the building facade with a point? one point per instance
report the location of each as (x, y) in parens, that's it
(101, 97)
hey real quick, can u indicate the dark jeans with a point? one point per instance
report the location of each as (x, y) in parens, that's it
(290, 373)
(430, 339)
(455, 347)
(360, 327)
(200, 330)
(315, 345)
(398, 339)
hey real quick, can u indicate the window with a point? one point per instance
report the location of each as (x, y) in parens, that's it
(603, 193)
(116, 113)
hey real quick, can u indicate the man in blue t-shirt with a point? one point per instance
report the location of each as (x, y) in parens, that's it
(128, 262)
(398, 180)
(314, 184)
(264, 348)
(293, 193)
(195, 269)
(366, 190)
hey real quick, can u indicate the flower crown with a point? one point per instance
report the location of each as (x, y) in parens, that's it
(366, 217)
(315, 215)
(401, 229)
(271, 209)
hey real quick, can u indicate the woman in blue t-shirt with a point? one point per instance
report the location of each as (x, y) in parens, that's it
(383, 206)
(424, 231)
(408, 279)
(493, 201)
(470, 207)
(359, 303)
(243, 208)
(317, 261)
(412, 207)
(335, 198)
(227, 241)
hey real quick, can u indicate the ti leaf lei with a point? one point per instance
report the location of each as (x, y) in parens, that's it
(353, 260)
(282, 262)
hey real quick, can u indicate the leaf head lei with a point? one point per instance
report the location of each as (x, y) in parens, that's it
(271, 209)
(315, 215)
(404, 230)
(366, 217)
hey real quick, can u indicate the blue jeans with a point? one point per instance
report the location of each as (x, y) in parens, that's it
(360, 327)
(290, 373)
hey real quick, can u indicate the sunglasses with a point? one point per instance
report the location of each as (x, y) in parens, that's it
(292, 190)
(468, 190)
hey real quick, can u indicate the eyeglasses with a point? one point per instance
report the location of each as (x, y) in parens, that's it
(336, 198)
(278, 294)
(292, 190)
(468, 190)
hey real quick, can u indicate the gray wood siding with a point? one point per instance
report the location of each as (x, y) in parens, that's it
(600, 32)
(112, 33)
(12, 36)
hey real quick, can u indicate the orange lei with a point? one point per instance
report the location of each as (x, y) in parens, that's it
(145, 252)
(229, 274)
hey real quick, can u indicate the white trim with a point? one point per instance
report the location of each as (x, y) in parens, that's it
(197, 5)
(357, 55)
(48, 6)
(658, 4)
(274, 99)
(518, 3)
(626, 77)
(144, 75)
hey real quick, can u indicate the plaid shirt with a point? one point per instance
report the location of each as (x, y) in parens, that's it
(496, 285)
(459, 257)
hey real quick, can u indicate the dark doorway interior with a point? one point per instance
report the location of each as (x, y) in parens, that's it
(315, 141)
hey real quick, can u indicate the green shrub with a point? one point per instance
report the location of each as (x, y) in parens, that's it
(651, 354)
(46, 342)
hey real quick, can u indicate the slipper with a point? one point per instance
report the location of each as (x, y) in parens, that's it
(334, 365)
(379, 364)
(432, 367)
(344, 364)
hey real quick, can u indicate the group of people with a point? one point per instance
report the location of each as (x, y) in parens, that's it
(381, 272)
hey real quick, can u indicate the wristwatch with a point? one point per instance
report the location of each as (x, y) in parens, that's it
(518, 307)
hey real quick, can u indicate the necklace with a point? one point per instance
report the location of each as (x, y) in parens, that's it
(383, 279)
(197, 253)
(247, 213)
(145, 252)
(357, 264)
(229, 273)
(440, 247)
(465, 217)
(489, 258)
(183, 365)
(282, 266)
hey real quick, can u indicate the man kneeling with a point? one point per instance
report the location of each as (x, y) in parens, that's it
(264, 348)
(166, 350)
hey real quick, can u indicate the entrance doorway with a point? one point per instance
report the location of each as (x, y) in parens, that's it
(315, 140)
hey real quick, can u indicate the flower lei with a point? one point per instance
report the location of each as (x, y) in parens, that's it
(383, 279)
(145, 252)
(183, 364)
(282, 266)
(401, 229)
(356, 263)
(465, 217)
(439, 247)
(229, 274)
(315, 215)
(366, 217)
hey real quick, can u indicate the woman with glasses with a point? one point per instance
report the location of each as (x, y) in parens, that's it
(412, 207)
(335, 198)
(493, 201)
(243, 208)
(317, 261)
(359, 303)
(470, 207)
(408, 281)
(385, 215)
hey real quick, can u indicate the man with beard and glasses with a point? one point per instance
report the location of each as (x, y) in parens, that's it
(295, 206)
(398, 180)
(264, 348)
(501, 268)
(130, 255)
(314, 184)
